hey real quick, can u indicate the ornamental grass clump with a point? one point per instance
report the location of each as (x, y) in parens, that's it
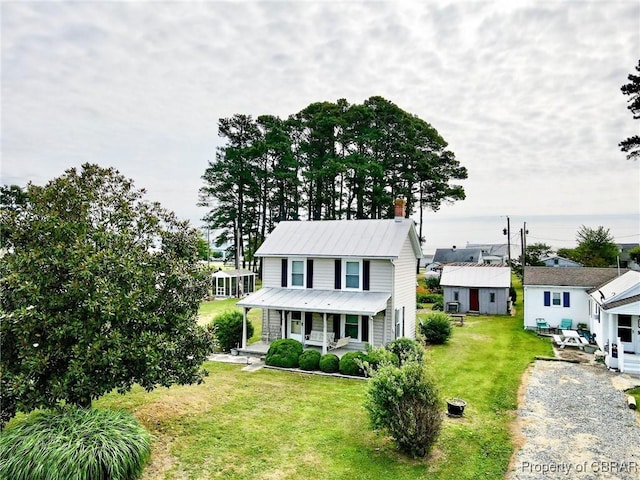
(74, 444)
(436, 328)
(404, 402)
(284, 353)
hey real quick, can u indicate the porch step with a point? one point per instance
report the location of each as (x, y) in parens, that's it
(632, 365)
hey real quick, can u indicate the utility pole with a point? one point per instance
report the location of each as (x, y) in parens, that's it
(507, 232)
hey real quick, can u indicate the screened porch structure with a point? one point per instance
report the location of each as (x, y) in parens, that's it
(233, 283)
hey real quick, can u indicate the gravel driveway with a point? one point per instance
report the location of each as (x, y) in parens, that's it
(574, 423)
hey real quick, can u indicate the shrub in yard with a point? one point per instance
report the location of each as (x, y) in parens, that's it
(227, 328)
(438, 306)
(428, 297)
(330, 363)
(310, 360)
(351, 364)
(375, 357)
(407, 350)
(433, 284)
(74, 443)
(284, 353)
(405, 403)
(436, 328)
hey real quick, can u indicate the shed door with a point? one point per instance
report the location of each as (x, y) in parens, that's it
(474, 299)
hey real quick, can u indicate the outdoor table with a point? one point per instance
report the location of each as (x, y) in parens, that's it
(571, 338)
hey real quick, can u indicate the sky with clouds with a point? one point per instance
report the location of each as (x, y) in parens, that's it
(526, 93)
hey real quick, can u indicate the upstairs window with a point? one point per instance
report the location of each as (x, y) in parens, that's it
(352, 274)
(297, 273)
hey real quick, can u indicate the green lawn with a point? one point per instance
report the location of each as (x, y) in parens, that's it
(284, 425)
(208, 311)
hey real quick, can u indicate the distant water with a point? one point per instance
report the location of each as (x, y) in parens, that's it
(557, 231)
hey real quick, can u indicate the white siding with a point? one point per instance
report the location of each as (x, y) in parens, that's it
(323, 273)
(534, 306)
(405, 288)
(271, 271)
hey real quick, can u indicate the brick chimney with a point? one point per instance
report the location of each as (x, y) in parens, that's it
(399, 205)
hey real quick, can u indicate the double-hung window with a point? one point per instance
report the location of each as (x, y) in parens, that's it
(297, 273)
(352, 326)
(352, 274)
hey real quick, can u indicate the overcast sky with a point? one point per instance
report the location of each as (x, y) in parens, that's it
(527, 94)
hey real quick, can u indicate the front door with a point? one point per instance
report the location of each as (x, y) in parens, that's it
(296, 326)
(629, 332)
(474, 299)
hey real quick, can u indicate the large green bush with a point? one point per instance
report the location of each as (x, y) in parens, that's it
(227, 328)
(351, 364)
(429, 297)
(375, 357)
(405, 403)
(406, 349)
(330, 363)
(436, 328)
(284, 353)
(310, 360)
(74, 443)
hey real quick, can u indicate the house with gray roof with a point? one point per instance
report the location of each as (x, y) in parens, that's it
(346, 281)
(444, 256)
(554, 294)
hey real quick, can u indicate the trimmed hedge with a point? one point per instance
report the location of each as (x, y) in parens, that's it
(310, 360)
(284, 353)
(329, 363)
(350, 364)
(227, 328)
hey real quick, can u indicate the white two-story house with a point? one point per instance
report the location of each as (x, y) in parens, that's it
(338, 279)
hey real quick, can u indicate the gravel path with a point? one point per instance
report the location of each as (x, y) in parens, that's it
(575, 423)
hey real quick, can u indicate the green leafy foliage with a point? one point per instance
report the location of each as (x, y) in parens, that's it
(433, 284)
(375, 357)
(436, 328)
(631, 145)
(227, 328)
(596, 247)
(100, 290)
(310, 360)
(351, 363)
(329, 363)
(74, 443)
(429, 297)
(405, 403)
(284, 353)
(407, 350)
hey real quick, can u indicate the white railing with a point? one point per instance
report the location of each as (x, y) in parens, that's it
(620, 355)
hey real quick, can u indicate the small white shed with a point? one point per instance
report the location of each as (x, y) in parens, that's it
(233, 283)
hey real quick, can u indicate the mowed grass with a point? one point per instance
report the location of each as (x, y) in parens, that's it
(209, 310)
(284, 425)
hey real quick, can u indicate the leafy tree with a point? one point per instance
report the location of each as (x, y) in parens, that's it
(227, 328)
(536, 252)
(596, 247)
(632, 144)
(100, 290)
(634, 254)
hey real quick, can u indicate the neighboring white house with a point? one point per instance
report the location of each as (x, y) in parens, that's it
(492, 253)
(554, 294)
(615, 319)
(558, 261)
(481, 288)
(338, 279)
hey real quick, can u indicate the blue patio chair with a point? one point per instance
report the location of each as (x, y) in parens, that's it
(565, 324)
(542, 325)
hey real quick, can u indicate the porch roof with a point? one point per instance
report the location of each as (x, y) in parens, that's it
(322, 301)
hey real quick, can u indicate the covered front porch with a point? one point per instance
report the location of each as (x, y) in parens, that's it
(324, 319)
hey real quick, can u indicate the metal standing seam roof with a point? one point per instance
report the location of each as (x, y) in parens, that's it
(340, 238)
(322, 301)
(491, 276)
(233, 273)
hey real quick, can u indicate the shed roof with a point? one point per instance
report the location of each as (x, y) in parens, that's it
(323, 301)
(233, 273)
(480, 275)
(341, 238)
(587, 277)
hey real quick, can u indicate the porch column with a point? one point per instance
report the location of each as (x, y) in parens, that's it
(371, 330)
(244, 328)
(324, 333)
(282, 322)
